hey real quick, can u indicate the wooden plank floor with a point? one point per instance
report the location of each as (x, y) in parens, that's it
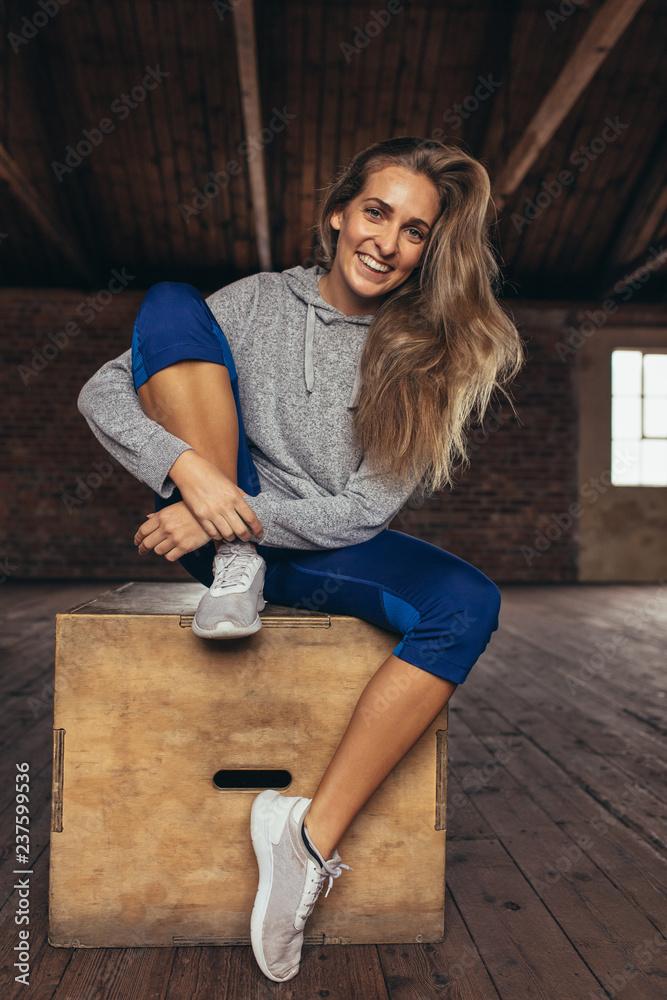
(557, 821)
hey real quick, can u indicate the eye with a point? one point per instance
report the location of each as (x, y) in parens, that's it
(416, 232)
(379, 213)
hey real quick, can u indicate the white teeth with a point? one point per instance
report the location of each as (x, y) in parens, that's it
(383, 268)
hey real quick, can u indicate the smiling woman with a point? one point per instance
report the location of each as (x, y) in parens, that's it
(404, 231)
(288, 419)
(381, 237)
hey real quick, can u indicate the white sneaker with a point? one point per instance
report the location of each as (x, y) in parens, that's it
(290, 882)
(231, 606)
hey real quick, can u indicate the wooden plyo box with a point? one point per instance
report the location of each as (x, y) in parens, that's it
(146, 849)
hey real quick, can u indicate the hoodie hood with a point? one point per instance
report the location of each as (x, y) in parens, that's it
(304, 283)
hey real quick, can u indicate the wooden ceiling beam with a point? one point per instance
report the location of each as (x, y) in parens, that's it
(45, 219)
(246, 57)
(641, 218)
(638, 270)
(603, 32)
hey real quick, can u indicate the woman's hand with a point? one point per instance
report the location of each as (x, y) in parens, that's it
(171, 532)
(216, 502)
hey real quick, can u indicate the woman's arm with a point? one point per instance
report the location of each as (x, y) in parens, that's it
(110, 404)
(158, 458)
(114, 414)
(366, 506)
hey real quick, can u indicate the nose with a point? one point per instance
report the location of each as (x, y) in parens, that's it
(387, 240)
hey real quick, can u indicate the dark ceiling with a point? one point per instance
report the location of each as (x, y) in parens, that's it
(163, 79)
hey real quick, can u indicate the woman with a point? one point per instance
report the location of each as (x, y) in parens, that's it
(357, 383)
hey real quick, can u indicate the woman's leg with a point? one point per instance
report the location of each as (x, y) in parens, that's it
(193, 399)
(445, 609)
(373, 743)
(186, 380)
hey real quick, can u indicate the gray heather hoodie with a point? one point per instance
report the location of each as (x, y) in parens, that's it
(297, 359)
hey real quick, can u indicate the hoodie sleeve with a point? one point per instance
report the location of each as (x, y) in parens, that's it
(364, 508)
(114, 414)
(111, 406)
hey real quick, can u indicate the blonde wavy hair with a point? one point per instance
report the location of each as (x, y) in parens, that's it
(440, 343)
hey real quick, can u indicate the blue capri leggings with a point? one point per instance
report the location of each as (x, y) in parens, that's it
(443, 608)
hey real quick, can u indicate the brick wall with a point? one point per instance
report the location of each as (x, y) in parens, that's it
(68, 510)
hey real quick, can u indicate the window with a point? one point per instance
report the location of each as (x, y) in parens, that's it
(638, 418)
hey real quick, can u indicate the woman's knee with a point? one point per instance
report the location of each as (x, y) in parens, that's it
(168, 296)
(470, 606)
(460, 627)
(486, 600)
(482, 599)
(174, 323)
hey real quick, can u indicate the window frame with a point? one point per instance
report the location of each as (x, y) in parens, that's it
(636, 349)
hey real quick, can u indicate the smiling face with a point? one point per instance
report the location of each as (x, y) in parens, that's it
(381, 237)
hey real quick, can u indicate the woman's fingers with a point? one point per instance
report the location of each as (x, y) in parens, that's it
(213, 498)
(240, 518)
(155, 536)
(218, 528)
(166, 547)
(231, 526)
(143, 530)
(148, 542)
(174, 531)
(223, 521)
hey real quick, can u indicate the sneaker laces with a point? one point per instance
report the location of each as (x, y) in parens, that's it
(333, 871)
(232, 567)
(329, 869)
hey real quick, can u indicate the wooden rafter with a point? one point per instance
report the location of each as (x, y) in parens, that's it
(246, 57)
(642, 217)
(654, 259)
(603, 32)
(43, 216)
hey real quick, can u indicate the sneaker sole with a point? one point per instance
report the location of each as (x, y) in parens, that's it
(260, 821)
(228, 630)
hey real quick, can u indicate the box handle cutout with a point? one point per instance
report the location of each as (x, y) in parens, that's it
(243, 777)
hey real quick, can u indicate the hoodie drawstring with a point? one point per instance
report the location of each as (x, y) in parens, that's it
(354, 390)
(308, 357)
